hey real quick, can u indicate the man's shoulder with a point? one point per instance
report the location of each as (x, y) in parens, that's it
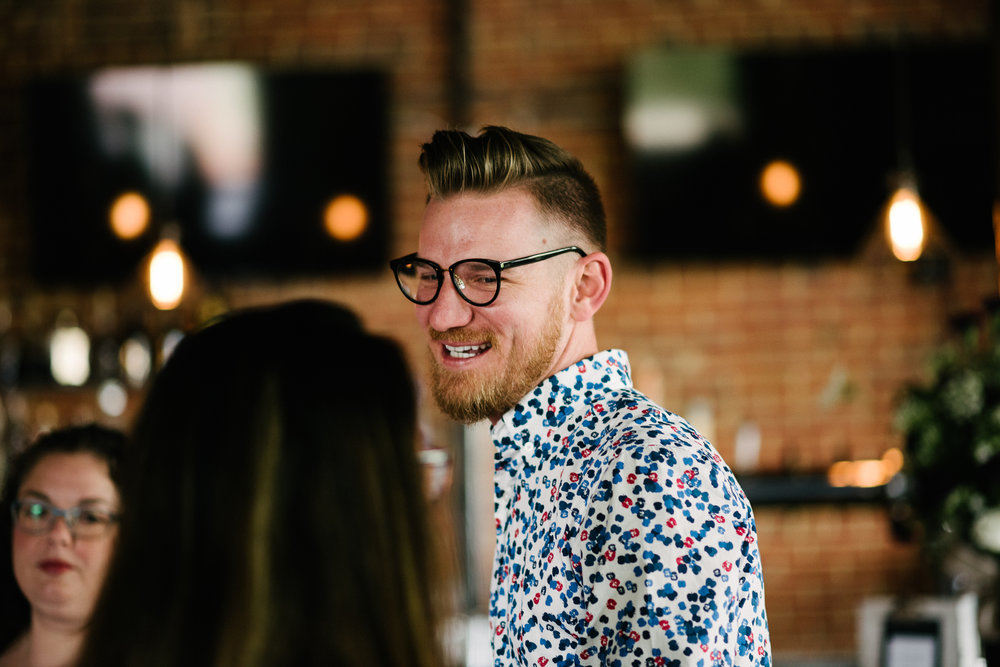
(627, 416)
(637, 436)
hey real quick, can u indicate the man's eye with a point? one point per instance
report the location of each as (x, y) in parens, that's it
(479, 276)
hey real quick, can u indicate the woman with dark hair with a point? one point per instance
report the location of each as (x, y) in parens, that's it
(275, 504)
(50, 570)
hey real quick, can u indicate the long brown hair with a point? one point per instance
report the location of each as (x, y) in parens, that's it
(275, 507)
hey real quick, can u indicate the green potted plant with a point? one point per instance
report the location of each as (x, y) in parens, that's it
(951, 441)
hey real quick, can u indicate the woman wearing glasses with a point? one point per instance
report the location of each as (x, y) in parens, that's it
(58, 528)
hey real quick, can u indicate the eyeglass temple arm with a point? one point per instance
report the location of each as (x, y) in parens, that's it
(531, 259)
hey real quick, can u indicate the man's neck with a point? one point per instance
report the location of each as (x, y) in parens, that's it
(580, 344)
(493, 419)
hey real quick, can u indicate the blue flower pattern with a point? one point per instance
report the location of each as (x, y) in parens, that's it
(623, 539)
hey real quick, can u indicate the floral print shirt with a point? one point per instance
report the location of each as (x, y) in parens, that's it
(623, 539)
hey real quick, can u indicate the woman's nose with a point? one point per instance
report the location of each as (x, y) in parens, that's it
(61, 531)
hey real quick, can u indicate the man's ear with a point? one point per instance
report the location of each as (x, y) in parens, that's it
(593, 283)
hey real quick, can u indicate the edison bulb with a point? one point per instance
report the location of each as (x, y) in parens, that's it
(129, 215)
(345, 218)
(166, 275)
(905, 225)
(780, 183)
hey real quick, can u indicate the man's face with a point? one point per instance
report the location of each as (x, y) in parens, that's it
(484, 359)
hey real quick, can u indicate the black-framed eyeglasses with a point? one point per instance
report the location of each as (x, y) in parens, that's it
(37, 517)
(476, 280)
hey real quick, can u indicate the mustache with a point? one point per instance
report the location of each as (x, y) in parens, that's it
(462, 336)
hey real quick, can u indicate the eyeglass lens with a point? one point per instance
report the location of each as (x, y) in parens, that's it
(38, 518)
(475, 281)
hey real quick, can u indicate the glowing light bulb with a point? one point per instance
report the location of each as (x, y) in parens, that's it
(166, 275)
(905, 225)
(136, 359)
(780, 183)
(112, 398)
(69, 355)
(345, 218)
(129, 215)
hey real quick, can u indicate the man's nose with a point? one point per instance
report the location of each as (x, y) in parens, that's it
(449, 310)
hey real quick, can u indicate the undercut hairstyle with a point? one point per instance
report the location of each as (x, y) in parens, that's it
(104, 444)
(499, 159)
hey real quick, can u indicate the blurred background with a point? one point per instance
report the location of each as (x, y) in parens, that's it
(748, 151)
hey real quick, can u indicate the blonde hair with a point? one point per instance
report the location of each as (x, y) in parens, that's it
(499, 159)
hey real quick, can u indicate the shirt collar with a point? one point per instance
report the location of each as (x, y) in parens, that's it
(552, 402)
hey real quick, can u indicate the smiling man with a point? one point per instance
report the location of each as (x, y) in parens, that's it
(622, 536)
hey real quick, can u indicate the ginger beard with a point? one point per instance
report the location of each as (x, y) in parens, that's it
(472, 395)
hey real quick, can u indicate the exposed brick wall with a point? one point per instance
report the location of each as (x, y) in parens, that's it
(812, 354)
(819, 564)
(815, 355)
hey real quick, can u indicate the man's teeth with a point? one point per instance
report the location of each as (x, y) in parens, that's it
(465, 351)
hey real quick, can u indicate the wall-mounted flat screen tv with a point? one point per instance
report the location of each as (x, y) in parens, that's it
(701, 126)
(262, 173)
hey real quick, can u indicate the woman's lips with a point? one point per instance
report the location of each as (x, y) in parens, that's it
(54, 566)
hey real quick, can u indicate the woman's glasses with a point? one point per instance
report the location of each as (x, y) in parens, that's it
(37, 517)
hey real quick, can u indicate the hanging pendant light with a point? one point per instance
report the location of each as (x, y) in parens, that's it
(166, 271)
(905, 223)
(905, 228)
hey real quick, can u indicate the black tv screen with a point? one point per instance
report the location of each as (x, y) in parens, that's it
(243, 162)
(700, 125)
